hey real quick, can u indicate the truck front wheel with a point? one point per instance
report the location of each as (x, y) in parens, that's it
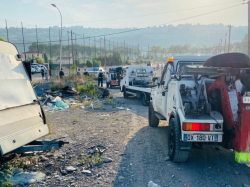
(145, 100)
(174, 152)
(152, 119)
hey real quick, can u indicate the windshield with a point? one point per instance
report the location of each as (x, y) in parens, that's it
(94, 69)
(189, 64)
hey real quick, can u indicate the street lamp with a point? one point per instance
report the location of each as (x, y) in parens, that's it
(60, 37)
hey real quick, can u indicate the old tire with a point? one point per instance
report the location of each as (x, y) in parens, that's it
(144, 99)
(233, 60)
(174, 152)
(125, 95)
(152, 119)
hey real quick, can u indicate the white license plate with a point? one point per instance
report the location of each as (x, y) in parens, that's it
(200, 138)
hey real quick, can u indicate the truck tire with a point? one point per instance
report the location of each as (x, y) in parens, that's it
(152, 119)
(174, 152)
(144, 99)
(111, 86)
(233, 60)
(107, 85)
(125, 95)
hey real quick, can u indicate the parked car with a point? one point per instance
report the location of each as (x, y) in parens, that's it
(33, 70)
(93, 72)
(37, 69)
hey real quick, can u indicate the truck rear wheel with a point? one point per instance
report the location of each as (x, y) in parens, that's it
(152, 119)
(125, 95)
(174, 152)
(144, 99)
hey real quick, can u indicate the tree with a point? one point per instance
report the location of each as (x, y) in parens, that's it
(39, 60)
(97, 63)
(2, 39)
(89, 64)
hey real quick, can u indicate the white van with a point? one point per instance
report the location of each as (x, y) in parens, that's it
(22, 118)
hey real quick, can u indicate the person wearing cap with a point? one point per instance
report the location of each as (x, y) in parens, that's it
(100, 78)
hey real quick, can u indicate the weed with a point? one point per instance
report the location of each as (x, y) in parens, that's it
(76, 120)
(88, 159)
(74, 106)
(6, 171)
(52, 87)
(88, 103)
(48, 123)
(111, 96)
(98, 105)
(88, 89)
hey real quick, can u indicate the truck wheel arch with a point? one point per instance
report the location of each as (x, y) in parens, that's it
(183, 145)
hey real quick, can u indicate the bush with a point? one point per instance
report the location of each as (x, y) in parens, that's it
(73, 67)
(88, 89)
(96, 63)
(89, 64)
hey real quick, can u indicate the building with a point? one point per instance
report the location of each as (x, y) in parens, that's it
(65, 60)
(31, 54)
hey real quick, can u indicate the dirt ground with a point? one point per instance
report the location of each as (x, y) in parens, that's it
(138, 152)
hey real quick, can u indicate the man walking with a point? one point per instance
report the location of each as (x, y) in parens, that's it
(46, 74)
(42, 72)
(100, 78)
(61, 74)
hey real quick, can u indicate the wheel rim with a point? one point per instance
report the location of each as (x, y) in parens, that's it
(171, 141)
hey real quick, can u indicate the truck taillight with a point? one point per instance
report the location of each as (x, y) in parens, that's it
(196, 126)
(113, 81)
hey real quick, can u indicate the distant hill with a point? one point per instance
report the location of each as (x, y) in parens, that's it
(164, 36)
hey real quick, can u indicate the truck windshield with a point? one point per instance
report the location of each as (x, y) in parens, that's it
(140, 71)
(189, 64)
(94, 69)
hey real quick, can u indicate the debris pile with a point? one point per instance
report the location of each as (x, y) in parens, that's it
(69, 96)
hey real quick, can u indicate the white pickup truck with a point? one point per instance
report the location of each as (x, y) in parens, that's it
(138, 81)
(174, 99)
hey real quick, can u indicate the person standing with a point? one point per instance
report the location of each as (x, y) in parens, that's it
(46, 73)
(78, 73)
(42, 72)
(100, 78)
(61, 74)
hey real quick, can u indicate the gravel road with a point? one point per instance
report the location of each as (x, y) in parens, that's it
(138, 152)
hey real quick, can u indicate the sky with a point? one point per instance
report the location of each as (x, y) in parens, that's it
(120, 13)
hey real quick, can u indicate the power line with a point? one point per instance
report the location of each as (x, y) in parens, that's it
(145, 15)
(132, 30)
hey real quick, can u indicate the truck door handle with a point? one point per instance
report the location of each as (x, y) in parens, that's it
(163, 93)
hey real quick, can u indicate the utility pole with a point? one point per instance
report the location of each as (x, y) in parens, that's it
(248, 28)
(68, 51)
(124, 52)
(72, 48)
(49, 53)
(89, 49)
(148, 52)
(95, 47)
(37, 42)
(7, 30)
(100, 46)
(23, 41)
(138, 51)
(105, 51)
(225, 43)
(230, 27)
(84, 49)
